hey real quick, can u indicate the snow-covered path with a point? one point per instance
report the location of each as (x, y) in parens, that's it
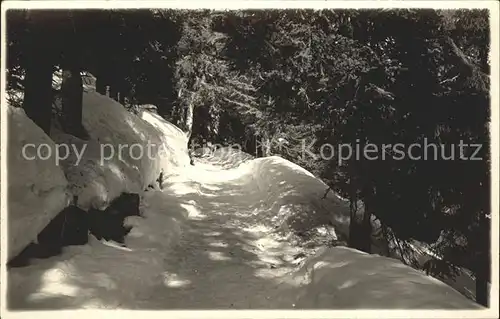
(203, 244)
(225, 258)
(221, 259)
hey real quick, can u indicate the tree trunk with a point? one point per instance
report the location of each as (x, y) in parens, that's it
(121, 98)
(189, 119)
(72, 101)
(360, 230)
(113, 92)
(100, 85)
(39, 67)
(353, 220)
(387, 243)
(37, 101)
(482, 273)
(266, 145)
(366, 232)
(482, 291)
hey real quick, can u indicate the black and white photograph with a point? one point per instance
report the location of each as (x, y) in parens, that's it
(250, 155)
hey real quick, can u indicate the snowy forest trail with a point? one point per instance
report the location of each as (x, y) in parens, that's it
(224, 256)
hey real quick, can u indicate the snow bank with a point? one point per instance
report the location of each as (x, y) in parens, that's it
(102, 274)
(37, 189)
(344, 278)
(174, 143)
(124, 154)
(294, 197)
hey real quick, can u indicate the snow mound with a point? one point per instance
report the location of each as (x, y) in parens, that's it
(124, 154)
(104, 275)
(174, 143)
(344, 278)
(37, 189)
(293, 197)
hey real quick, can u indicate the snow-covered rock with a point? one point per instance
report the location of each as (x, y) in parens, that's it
(37, 189)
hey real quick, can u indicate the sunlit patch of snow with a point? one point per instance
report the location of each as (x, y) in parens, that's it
(217, 255)
(182, 189)
(347, 284)
(54, 282)
(212, 233)
(193, 211)
(212, 188)
(115, 245)
(218, 244)
(258, 228)
(174, 281)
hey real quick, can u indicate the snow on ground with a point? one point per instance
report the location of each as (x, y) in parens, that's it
(371, 281)
(100, 274)
(37, 188)
(205, 243)
(297, 202)
(226, 157)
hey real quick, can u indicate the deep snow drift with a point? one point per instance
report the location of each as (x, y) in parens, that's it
(208, 239)
(112, 161)
(40, 186)
(37, 188)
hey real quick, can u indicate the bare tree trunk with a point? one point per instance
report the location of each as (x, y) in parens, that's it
(113, 92)
(72, 83)
(482, 291)
(72, 102)
(366, 231)
(266, 145)
(100, 85)
(353, 209)
(360, 230)
(37, 101)
(121, 98)
(189, 119)
(482, 273)
(39, 57)
(387, 242)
